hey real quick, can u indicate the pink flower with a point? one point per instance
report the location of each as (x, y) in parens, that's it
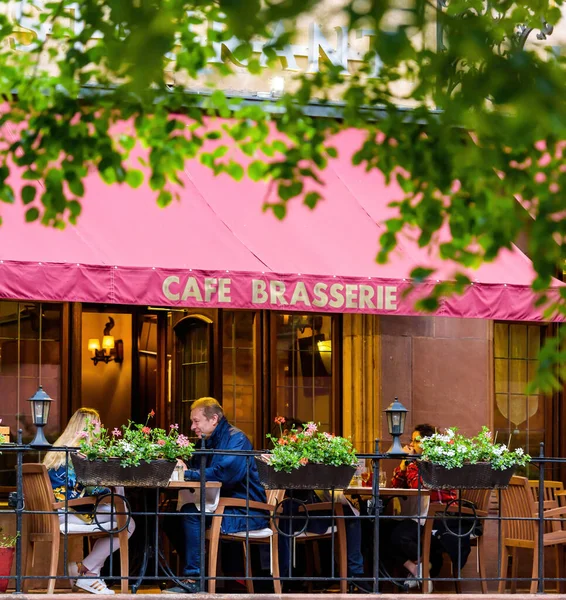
(146, 430)
(116, 432)
(279, 420)
(161, 442)
(311, 429)
(152, 413)
(183, 441)
(328, 436)
(176, 426)
(84, 435)
(304, 460)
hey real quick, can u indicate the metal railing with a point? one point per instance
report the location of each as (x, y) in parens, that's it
(288, 521)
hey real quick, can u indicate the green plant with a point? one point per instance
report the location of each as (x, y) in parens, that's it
(8, 541)
(452, 450)
(295, 448)
(134, 443)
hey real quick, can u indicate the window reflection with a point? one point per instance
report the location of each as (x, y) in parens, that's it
(30, 355)
(194, 365)
(303, 358)
(518, 418)
(239, 388)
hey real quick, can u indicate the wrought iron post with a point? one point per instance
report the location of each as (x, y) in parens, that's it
(202, 575)
(540, 549)
(19, 513)
(376, 510)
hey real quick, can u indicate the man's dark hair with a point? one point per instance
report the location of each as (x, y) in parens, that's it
(425, 430)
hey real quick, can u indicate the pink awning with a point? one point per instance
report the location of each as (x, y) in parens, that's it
(218, 248)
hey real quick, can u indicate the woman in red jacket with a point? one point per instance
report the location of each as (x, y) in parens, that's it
(405, 534)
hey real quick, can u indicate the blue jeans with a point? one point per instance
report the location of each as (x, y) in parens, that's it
(353, 540)
(184, 534)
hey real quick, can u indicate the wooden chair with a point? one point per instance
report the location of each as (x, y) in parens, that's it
(268, 535)
(518, 532)
(480, 499)
(553, 492)
(338, 531)
(46, 528)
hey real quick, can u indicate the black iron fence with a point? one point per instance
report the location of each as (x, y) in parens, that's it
(365, 539)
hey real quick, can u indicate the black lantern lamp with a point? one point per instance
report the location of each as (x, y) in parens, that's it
(40, 405)
(396, 415)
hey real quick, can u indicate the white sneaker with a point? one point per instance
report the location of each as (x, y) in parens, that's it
(413, 581)
(94, 586)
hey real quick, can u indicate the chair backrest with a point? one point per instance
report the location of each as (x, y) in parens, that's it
(38, 496)
(274, 496)
(479, 498)
(516, 502)
(549, 492)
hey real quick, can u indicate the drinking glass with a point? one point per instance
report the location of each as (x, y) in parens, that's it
(382, 479)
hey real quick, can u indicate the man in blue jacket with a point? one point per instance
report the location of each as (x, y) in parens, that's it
(238, 475)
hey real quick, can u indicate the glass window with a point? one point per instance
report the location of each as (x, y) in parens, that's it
(303, 365)
(30, 356)
(194, 368)
(519, 419)
(239, 373)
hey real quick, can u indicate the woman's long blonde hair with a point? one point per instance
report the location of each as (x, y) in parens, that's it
(70, 437)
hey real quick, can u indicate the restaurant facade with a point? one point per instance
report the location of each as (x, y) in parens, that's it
(139, 308)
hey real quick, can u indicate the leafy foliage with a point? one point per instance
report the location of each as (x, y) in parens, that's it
(299, 446)
(471, 128)
(453, 450)
(134, 443)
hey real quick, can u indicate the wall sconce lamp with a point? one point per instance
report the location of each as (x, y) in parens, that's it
(112, 350)
(40, 404)
(396, 415)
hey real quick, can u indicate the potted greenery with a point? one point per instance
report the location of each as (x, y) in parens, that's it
(7, 550)
(306, 458)
(135, 455)
(452, 461)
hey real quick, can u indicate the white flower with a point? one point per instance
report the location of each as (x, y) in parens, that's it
(519, 452)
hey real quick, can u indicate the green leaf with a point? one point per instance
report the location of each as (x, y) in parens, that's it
(279, 210)
(256, 170)
(311, 199)
(420, 274)
(134, 178)
(164, 199)
(28, 194)
(32, 214)
(235, 170)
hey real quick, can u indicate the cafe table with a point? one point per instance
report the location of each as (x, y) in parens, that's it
(367, 492)
(149, 542)
(408, 495)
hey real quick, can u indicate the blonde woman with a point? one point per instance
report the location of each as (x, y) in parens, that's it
(65, 485)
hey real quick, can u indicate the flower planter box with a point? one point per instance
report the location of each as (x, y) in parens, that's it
(476, 476)
(308, 477)
(110, 473)
(6, 559)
